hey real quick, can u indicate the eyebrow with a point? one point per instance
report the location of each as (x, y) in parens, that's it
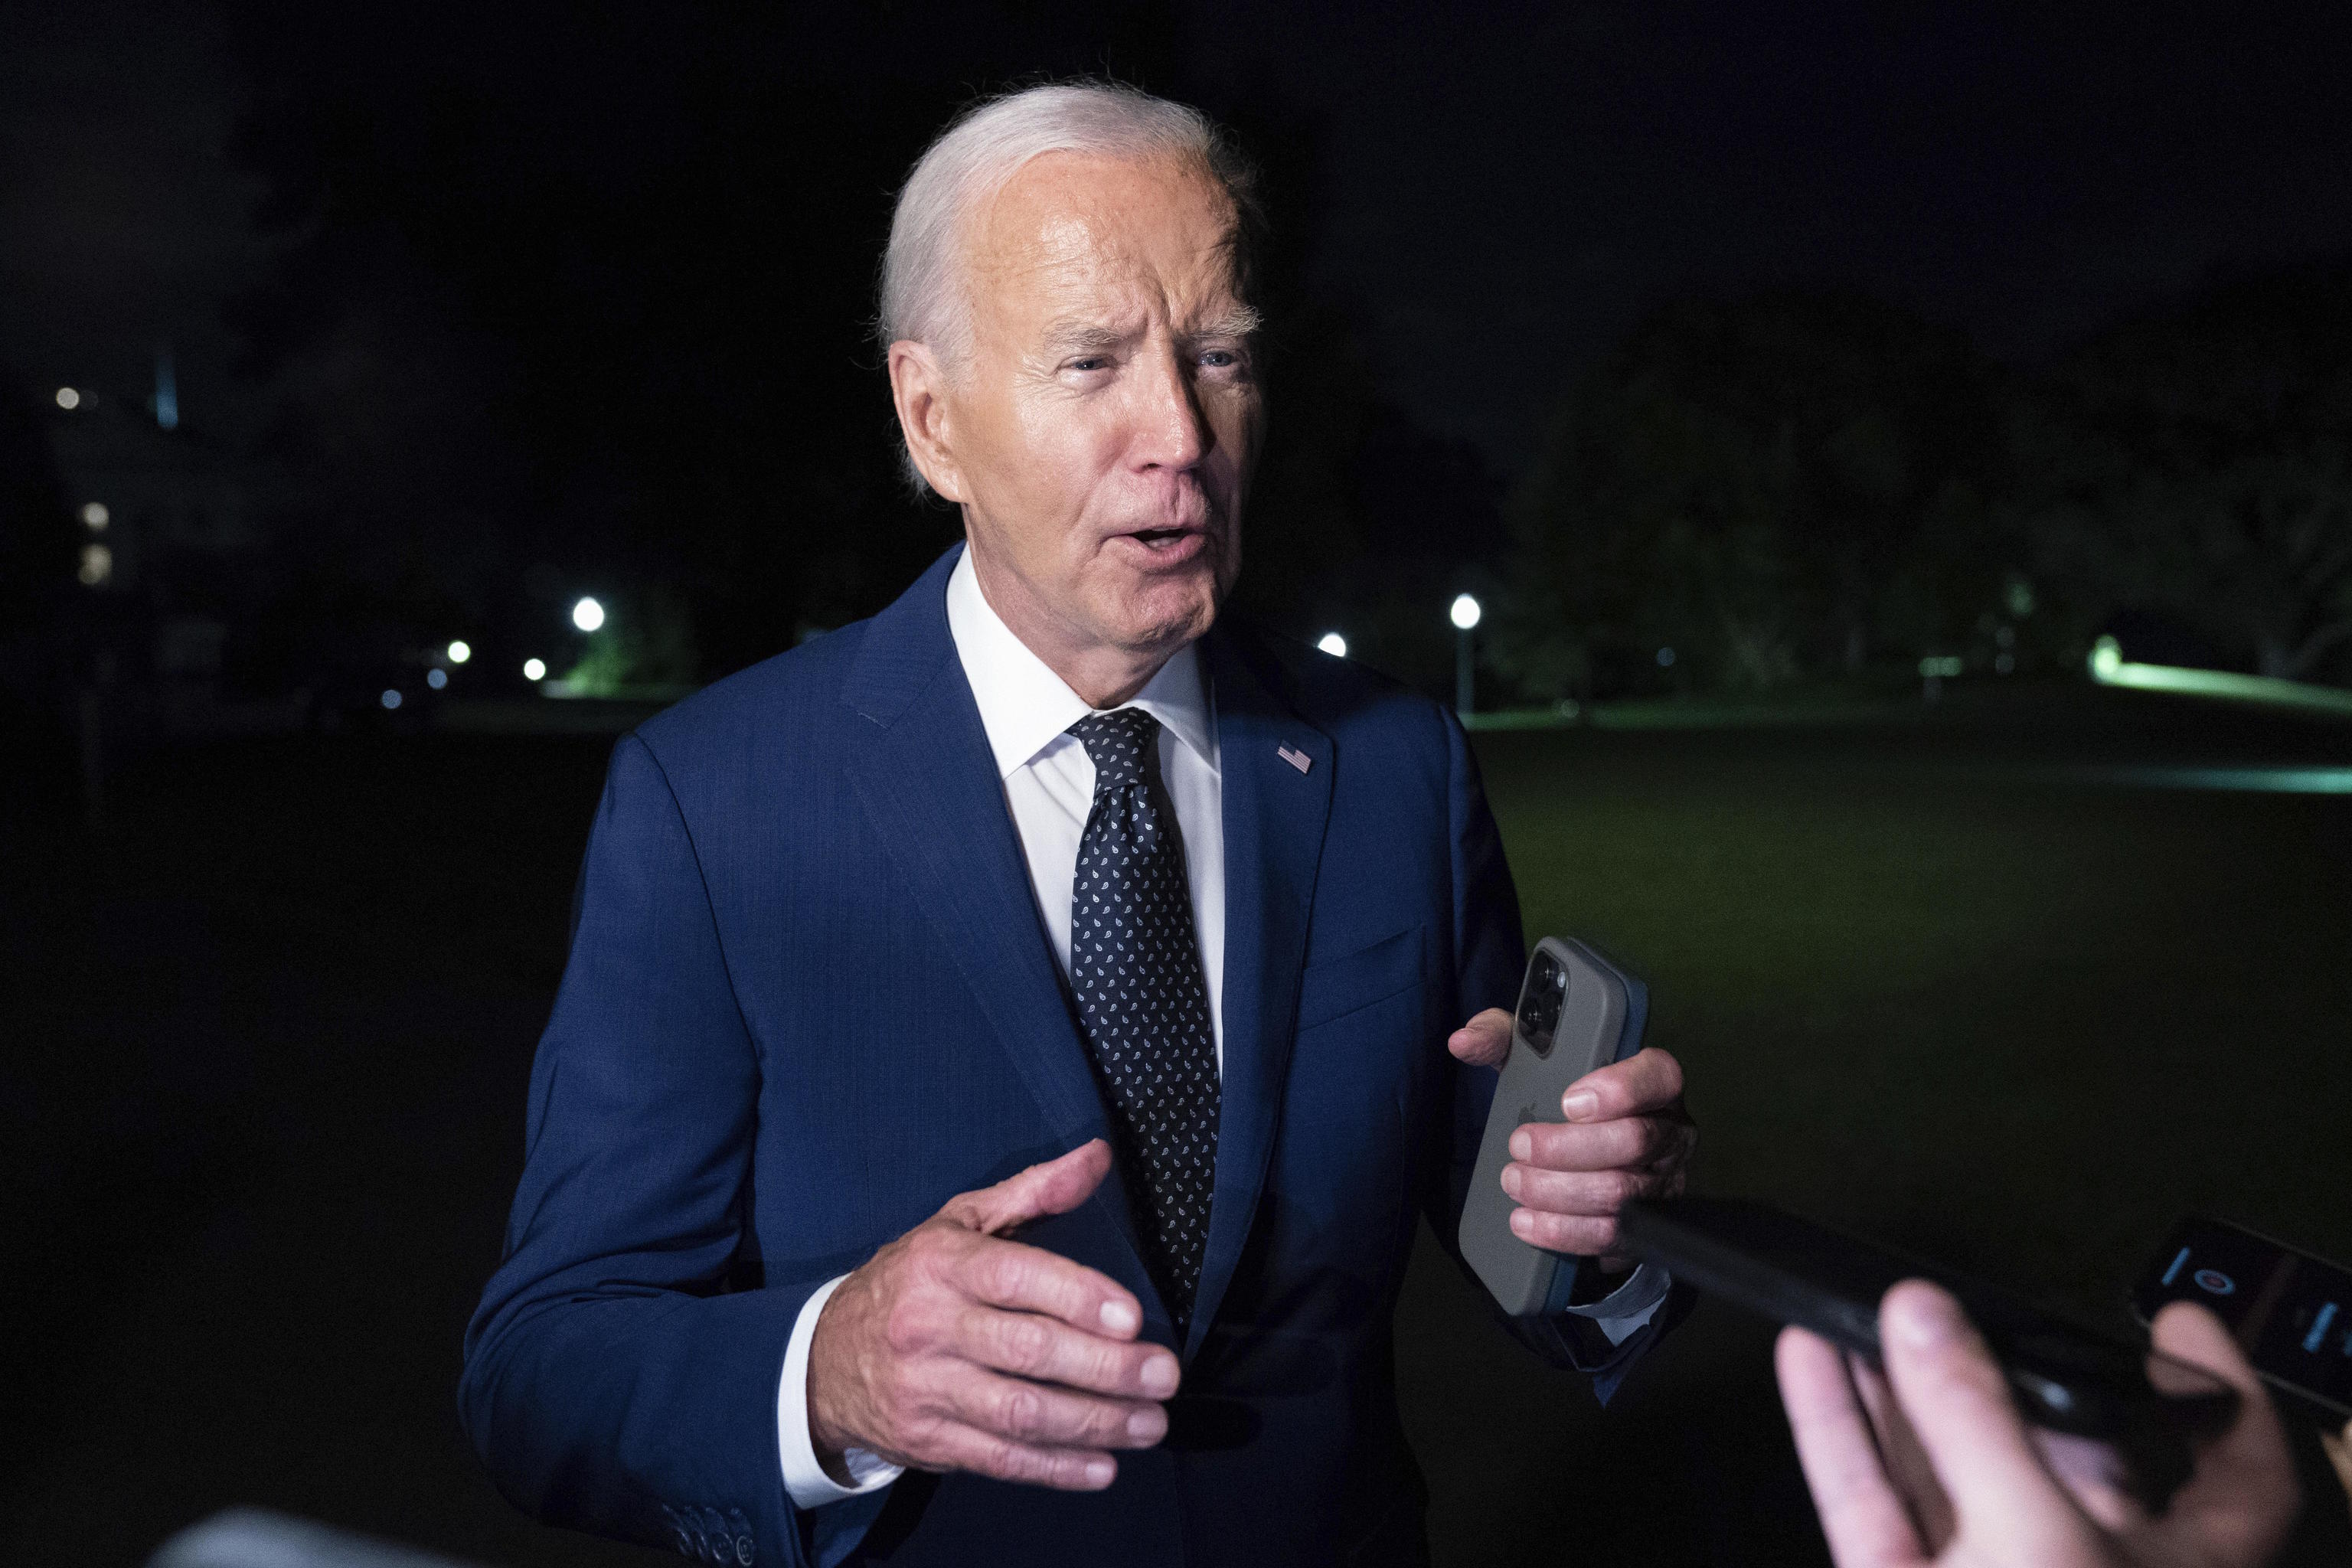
(1083, 337)
(1074, 336)
(1238, 322)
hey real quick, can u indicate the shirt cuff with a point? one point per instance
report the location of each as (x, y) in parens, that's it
(805, 1481)
(1625, 1311)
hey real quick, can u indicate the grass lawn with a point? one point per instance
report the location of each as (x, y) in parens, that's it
(1932, 984)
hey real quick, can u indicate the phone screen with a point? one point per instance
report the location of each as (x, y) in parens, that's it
(2291, 1311)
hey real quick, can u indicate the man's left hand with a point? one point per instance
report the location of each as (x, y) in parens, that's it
(1626, 1136)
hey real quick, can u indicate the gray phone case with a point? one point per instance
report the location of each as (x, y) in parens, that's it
(1575, 1012)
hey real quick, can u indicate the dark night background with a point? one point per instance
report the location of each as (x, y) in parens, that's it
(1739, 358)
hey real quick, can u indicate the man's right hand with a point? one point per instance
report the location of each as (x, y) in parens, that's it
(958, 1349)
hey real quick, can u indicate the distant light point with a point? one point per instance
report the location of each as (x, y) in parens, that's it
(1665, 658)
(1334, 644)
(534, 669)
(437, 678)
(69, 399)
(96, 516)
(391, 699)
(2107, 658)
(96, 565)
(587, 615)
(460, 651)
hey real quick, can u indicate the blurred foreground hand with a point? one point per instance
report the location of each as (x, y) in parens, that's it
(2339, 1454)
(1935, 1465)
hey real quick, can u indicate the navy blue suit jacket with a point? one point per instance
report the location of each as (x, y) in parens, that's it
(810, 997)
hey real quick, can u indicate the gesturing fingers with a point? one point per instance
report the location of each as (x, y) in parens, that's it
(1052, 1186)
(1047, 1417)
(1030, 1345)
(1022, 1278)
(956, 1348)
(955, 1446)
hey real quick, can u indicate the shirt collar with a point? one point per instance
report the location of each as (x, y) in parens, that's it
(1024, 705)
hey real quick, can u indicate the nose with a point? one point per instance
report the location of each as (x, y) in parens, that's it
(1170, 431)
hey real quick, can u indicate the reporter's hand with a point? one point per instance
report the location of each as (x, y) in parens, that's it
(1627, 1136)
(956, 1349)
(2338, 1447)
(1953, 1476)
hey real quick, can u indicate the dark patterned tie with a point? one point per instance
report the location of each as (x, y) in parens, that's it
(1135, 968)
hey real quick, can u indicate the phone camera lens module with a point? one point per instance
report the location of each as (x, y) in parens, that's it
(1539, 1004)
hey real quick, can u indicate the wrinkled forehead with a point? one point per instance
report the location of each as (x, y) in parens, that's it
(1076, 235)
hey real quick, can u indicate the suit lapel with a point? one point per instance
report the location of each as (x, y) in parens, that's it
(1274, 817)
(928, 785)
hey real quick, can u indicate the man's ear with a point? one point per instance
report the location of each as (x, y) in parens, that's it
(919, 389)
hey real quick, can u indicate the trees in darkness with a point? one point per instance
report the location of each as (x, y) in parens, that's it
(2198, 463)
(1785, 486)
(573, 300)
(1797, 486)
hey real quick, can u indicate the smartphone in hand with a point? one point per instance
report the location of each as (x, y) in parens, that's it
(1577, 1012)
(2291, 1311)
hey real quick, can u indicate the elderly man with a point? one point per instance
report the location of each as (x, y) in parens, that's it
(1005, 1047)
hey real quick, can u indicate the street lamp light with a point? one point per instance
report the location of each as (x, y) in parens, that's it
(1333, 644)
(587, 615)
(1465, 615)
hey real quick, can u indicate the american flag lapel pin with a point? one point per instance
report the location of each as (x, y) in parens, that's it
(1298, 760)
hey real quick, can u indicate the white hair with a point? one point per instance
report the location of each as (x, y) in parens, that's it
(922, 295)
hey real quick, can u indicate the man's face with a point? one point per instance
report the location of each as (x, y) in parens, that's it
(1101, 434)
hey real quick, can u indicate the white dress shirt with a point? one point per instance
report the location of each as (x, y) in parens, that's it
(1049, 786)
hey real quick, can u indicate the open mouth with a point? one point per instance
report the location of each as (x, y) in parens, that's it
(1166, 546)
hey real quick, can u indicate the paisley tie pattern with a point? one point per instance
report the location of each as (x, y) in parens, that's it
(1135, 970)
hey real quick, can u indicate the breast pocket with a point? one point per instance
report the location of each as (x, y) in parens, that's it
(1333, 988)
(1344, 1168)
